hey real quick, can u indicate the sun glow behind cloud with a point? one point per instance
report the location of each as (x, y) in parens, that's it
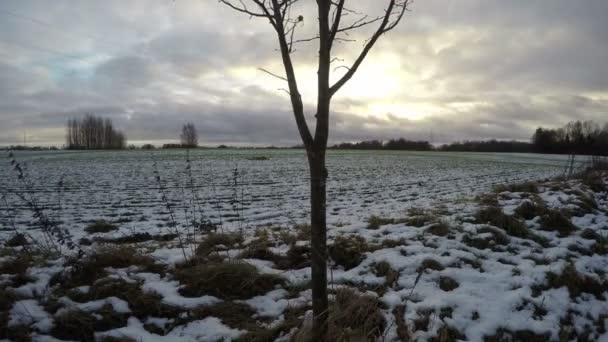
(482, 69)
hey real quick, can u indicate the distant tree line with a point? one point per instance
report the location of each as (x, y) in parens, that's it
(93, 133)
(577, 137)
(511, 146)
(393, 144)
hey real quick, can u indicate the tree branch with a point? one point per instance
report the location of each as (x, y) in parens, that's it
(392, 16)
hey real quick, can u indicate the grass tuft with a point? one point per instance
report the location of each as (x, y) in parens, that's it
(374, 222)
(554, 220)
(530, 187)
(216, 242)
(226, 280)
(87, 270)
(347, 251)
(100, 226)
(577, 283)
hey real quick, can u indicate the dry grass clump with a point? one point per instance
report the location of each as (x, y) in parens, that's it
(503, 334)
(577, 283)
(384, 269)
(496, 217)
(216, 242)
(594, 180)
(17, 240)
(429, 264)
(554, 220)
(136, 238)
(530, 187)
(226, 280)
(142, 304)
(7, 299)
(100, 226)
(355, 314)
(92, 267)
(447, 283)
(374, 222)
(495, 238)
(297, 257)
(490, 200)
(347, 251)
(440, 229)
(529, 210)
(303, 232)
(420, 220)
(17, 266)
(352, 317)
(448, 334)
(78, 325)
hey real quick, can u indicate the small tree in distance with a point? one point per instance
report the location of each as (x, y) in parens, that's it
(336, 23)
(189, 136)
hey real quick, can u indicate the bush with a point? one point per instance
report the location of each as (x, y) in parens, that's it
(226, 280)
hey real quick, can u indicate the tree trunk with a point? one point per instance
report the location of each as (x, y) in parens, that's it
(318, 173)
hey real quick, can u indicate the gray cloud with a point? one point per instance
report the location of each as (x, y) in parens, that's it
(473, 69)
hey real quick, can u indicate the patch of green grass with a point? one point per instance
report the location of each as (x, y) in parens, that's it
(100, 226)
(226, 280)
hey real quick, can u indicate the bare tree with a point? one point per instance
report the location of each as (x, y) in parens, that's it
(336, 22)
(189, 136)
(93, 133)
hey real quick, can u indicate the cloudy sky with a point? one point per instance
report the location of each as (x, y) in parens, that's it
(454, 69)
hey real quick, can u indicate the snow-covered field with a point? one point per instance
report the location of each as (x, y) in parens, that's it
(438, 261)
(80, 187)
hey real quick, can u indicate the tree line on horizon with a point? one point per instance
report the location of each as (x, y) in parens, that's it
(93, 133)
(576, 137)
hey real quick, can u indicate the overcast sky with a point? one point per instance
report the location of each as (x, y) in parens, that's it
(454, 69)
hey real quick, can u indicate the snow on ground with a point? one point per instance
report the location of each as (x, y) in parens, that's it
(432, 264)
